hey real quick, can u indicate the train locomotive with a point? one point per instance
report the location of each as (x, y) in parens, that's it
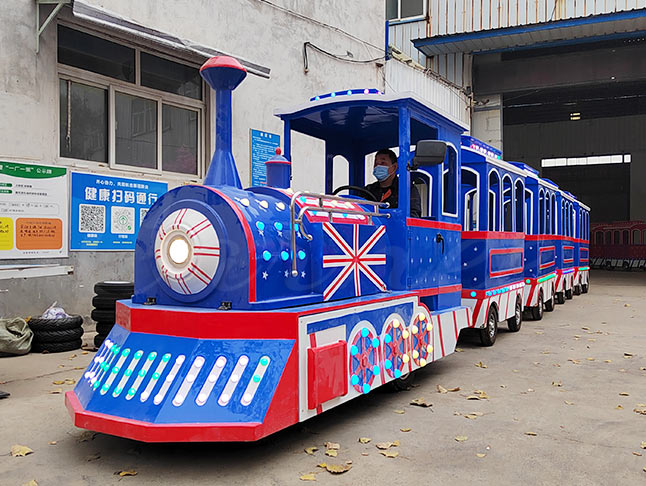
(255, 309)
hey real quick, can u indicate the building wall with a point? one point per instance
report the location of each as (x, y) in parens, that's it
(266, 33)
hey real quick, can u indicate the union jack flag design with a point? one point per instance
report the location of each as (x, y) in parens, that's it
(354, 260)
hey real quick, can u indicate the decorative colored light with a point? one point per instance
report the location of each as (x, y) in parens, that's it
(354, 350)
(266, 255)
(256, 378)
(125, 352)
(264, 361)
(473, 293)
(415, 354)
(115, 370)
(349, 92)
(128, 372)
(405, 334)
(366, 388)
(388, 338)
(395, 323)
(422, 362)
(316, 98)
(96, 385)
(155, 376)
(166, 357)
(284, 255)
(375, 370)
(398, 373)
(414, 329)
(405, 358)
(388, 364)
(260, 225)
(365, 332)
(354, 380)
(429, 349)
(296, 226)
(375, 343)
(142, 372)
(366, 91)
(132, 391)
(138, 354)
(278, 225)
(332, 95)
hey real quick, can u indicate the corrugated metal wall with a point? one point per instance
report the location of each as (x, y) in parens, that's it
(449, 99)
(457, 16)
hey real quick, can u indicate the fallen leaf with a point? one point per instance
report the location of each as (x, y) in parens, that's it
(129, 472)
(569, 403)
(538, 332)
(72, 357)
(84, 352)
(471, 416)
(390, 454)
(643, 445)
(332, 445)
(308, 477)
(637, 454)
(332, 452)
(607, 361)
(585, 328)
(70, 382)
(364, 440)
(400, 412)
(365, 454)
(557, 383)
(590, 359)
(515, 371)
(480, 455)
(619, 407)
(626, 305)
(405, 429)
(348, 462)
(461, 438)
(53, 442)
(396, 443)
(93, 457)
(480, 364)
(441, 389)
(455, 389)
(628, 355)
(323, 465)
(459, 350)
(574, 361)
(455, 412)
(473, 397)
(31, 483)
(503, 386)
(18, 450)
(338, 468)
(421, 402)
(530, 390)
(642, 368)
(311, 450)
(624, 394)
(384, 445)
(533, 434)
(58, 382)
(57, 391)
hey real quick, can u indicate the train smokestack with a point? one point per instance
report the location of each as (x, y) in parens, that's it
(223, 74)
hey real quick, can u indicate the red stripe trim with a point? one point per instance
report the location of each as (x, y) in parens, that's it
(439, 327)
(492, 235)
(506, 251)
(251, 247)
(455, 326)
(319, 407)
(447, 289)
(476, 312)
(198, 277)
(543, 266)
(425, 223)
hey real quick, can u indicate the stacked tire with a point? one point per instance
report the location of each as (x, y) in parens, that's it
(56, 335)
(104, 303)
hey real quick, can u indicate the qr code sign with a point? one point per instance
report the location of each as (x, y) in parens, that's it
(91, 218)
(142, 215)
(123, 220)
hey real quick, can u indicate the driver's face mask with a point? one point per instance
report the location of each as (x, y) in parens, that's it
(381, 172)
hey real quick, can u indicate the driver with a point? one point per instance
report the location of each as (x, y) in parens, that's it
(386, 188)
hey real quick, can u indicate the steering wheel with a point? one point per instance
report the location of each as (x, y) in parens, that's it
(366, 192)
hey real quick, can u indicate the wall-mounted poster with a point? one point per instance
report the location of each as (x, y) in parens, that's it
(107, 211)
(262, 147)
(33, 211)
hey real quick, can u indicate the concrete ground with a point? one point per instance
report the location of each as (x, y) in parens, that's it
(560, 410)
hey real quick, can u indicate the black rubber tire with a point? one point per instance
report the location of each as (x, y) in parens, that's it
(514, 323)
(98, 339)
(100, 315)
(537, 312)
(607, 265)
(105, 302)
(585, 288)
(37, 324)
(490, 331)
(104, 327)
(404, 383)
(114, 288)
(56, 347)
(58, 336)
(550, 304)
(560, 298)
(577, 290)
(568, 294)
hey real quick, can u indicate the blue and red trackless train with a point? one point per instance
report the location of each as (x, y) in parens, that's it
(258, 308)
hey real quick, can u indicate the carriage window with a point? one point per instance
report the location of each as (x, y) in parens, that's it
(507, 208)
(644, 237)
(541, 213)
(528, 212)
(553, 214)
(608, 238)
(422, 182)
(599, 238)
(518, 201)
(637, 237)
(617, 239)
(625, 237)
(494, 201)
(450, 183)
(469, 191)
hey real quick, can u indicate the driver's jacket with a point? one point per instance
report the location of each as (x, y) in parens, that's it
(391, 196)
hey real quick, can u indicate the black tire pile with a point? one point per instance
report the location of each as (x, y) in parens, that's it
(104, 303)
(56, 335)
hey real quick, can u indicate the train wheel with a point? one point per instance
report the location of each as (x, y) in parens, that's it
(577, 290)
(549, 304)
(537, 312)
(364, 360)
(421, 347)
(585, 288)
(560, 298)
(490, 331)
(568, 294)
(514, 323)
(395, 349)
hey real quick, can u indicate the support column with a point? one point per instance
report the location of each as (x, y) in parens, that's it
(486, 123)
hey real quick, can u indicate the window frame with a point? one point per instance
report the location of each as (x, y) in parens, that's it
(400, 19)
(113, 85)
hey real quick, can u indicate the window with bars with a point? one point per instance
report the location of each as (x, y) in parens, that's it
(128, 108)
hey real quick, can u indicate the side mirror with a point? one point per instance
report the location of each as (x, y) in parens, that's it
(429, 152)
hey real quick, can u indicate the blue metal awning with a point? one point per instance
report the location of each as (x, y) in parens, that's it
(577, 30)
